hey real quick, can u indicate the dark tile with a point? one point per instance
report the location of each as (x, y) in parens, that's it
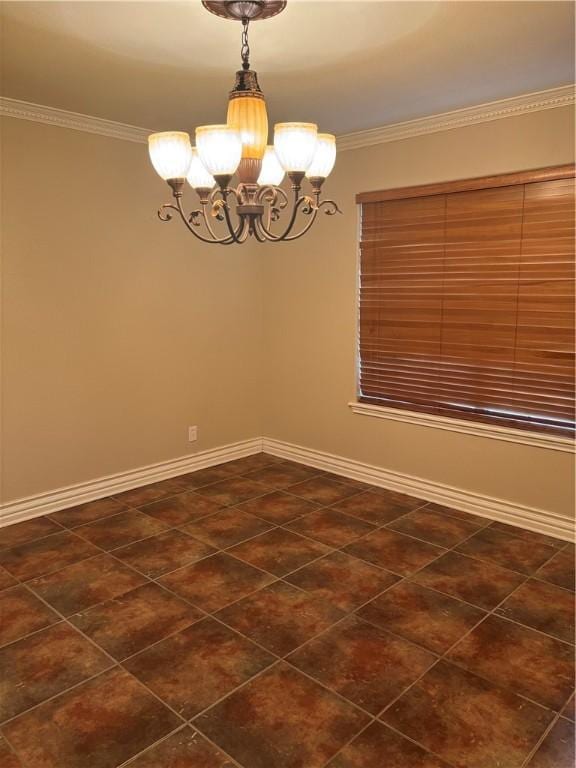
(280, 617)
(88, 513)
(434, 527)
(153, 492)
(278, 551)
(530, 536)
(46, 555)
(163, 553)
(227, 527)
(475, 581)
(207, 476)
(44, 664)
(394, 551)
(183, 749)
(559, 570)
(322, 490)
(29, 530)
(281, 719)
(87, 583)
(192, 670)
(426, 617)
(331, 527)
(380, 747)
(215, 581)
(542, 606)
(278, 476)
(344, 581)
(377, 508)
(99, 724)
(8, 758)
(252, 462)
(22, 613)
(519, 658)
(233, 491)
(363, 663)
(182, 509)
(459, 514)
(557, 749)
(132, 622)
(358, 484)
(569, 710)
(121, 529)
(507, 551)
(397, 499)
(278, 507)
(467, 720)
(6, 580)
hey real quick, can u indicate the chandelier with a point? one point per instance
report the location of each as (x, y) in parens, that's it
(257, 206)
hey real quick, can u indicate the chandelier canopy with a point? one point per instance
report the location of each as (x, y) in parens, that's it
(257, 205)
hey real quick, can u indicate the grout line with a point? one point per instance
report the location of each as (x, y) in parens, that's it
(143, 752)
(540, 741)
(28, 635)
(419, 744)
(71, 688)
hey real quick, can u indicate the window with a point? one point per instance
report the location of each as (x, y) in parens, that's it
(467, 299)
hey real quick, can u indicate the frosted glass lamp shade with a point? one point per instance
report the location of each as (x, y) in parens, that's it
(324, 157)
(220, 149)
(247, 114)
(272, 172)
(295, 144)
(170, 154)
(198, 177)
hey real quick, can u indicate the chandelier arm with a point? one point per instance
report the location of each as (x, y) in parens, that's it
(290, 226)
(258, 230)
(245, 232)
(219, 241)
(304, 229)
(331, 209)
(223, 241)
(234, 234)
(164, 211)
(270, 195)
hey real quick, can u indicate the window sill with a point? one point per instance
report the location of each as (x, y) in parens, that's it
(508, 434)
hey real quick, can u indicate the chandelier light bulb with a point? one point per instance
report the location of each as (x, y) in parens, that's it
(272, 172)
(324, 157)
(170, 154)
(295, 145)
(198, 177)
(220, 149)
(247, 115)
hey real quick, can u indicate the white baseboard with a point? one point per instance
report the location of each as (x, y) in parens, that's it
(531, 518)
(44, 503)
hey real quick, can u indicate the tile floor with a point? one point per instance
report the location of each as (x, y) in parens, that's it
(265, 614)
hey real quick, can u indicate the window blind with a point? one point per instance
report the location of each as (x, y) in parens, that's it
(467, 299)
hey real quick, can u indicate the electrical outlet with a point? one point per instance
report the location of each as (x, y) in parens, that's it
(192, 434)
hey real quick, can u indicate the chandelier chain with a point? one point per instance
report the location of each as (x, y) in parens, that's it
(245, 50)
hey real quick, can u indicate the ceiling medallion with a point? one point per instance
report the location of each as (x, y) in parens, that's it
(256, 206)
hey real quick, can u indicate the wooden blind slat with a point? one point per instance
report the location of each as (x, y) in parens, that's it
(467, 299)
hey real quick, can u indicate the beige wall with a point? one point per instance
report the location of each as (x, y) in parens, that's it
(310, 321)
(118, 331)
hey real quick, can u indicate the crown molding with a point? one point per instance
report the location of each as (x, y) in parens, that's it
(25, 110)
(483, 113)
(459, 118)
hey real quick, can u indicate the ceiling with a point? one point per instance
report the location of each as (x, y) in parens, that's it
(347, 64)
